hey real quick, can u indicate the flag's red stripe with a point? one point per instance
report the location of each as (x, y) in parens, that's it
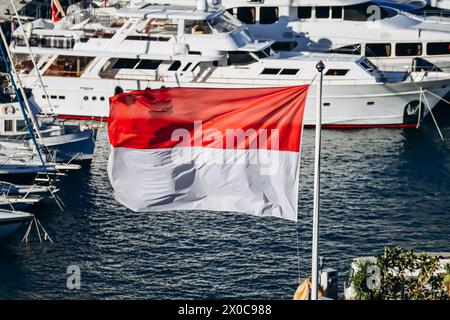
(55, 12)
(148, 119)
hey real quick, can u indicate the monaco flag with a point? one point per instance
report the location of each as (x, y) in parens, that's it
(57, 10)
(207, 149)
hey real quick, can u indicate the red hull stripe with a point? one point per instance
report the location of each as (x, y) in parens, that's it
(262, 118)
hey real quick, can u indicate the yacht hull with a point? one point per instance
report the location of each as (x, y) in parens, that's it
(77, 147)
(347, 105)
(10, 221)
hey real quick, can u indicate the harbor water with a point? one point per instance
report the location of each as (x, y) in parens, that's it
(379, 187)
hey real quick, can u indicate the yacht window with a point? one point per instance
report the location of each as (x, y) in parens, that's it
(362, 12)
(438, 48)
(175, 66)
(268, 15)
(289, 72)
(304, 12)
(336, 12)
(378, 50)
(23, 63)
(53, 97)
(125, 63)
(62, 98)
(240, 58)
(262, 53)
(408, 49)
(337, 72)
(148, 38)
(352, 49)
(20, 125)
(322, 12)
(186, 67)
(270, 71)
(284, 45)
(247, 15)
(148, 64)
(197, 27)
(8, 126)
(68, 66)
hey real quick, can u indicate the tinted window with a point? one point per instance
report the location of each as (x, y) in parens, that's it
(304, 12)
(175, 66)
(322, 12)
(149, 64)
(284, 45)
(378, 50)
(240, 58)
(126, 63)
(438, 48)
(336, 72)
(20, 125)
(336, 12)
(408, 49)
(271, 71)
(289, 72)
(268, 15)
(247, 14)
(186, 67)
(8, 125)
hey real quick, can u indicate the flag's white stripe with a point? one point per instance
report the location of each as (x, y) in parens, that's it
(259, 182)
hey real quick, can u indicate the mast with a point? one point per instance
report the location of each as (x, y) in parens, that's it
(21, 97)
(315, 241)
(33, 60)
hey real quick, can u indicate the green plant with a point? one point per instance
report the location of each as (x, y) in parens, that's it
(403, 275)
(360, 280)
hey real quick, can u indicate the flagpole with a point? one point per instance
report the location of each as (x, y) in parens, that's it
(315, 241)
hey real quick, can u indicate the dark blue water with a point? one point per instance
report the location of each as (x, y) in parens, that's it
(380, 187)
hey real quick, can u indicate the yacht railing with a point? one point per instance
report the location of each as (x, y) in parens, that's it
(437, 16)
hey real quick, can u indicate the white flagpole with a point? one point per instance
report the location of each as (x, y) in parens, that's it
(315, 241)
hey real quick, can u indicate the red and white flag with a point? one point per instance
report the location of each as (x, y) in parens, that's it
(57, 11)
(209, 149)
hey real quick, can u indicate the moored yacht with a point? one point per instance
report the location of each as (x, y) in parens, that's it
(392, 38)
(84, 59)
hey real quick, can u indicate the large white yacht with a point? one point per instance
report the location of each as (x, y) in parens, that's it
(389, 36)
(85, 58)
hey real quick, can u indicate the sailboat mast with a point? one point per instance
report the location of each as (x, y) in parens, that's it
(23, 102)
(33, 60)
(315, 241)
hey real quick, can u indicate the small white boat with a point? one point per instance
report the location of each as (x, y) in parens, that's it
(64, 142)
(12, 196)
(10, 221)
(21, 166)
